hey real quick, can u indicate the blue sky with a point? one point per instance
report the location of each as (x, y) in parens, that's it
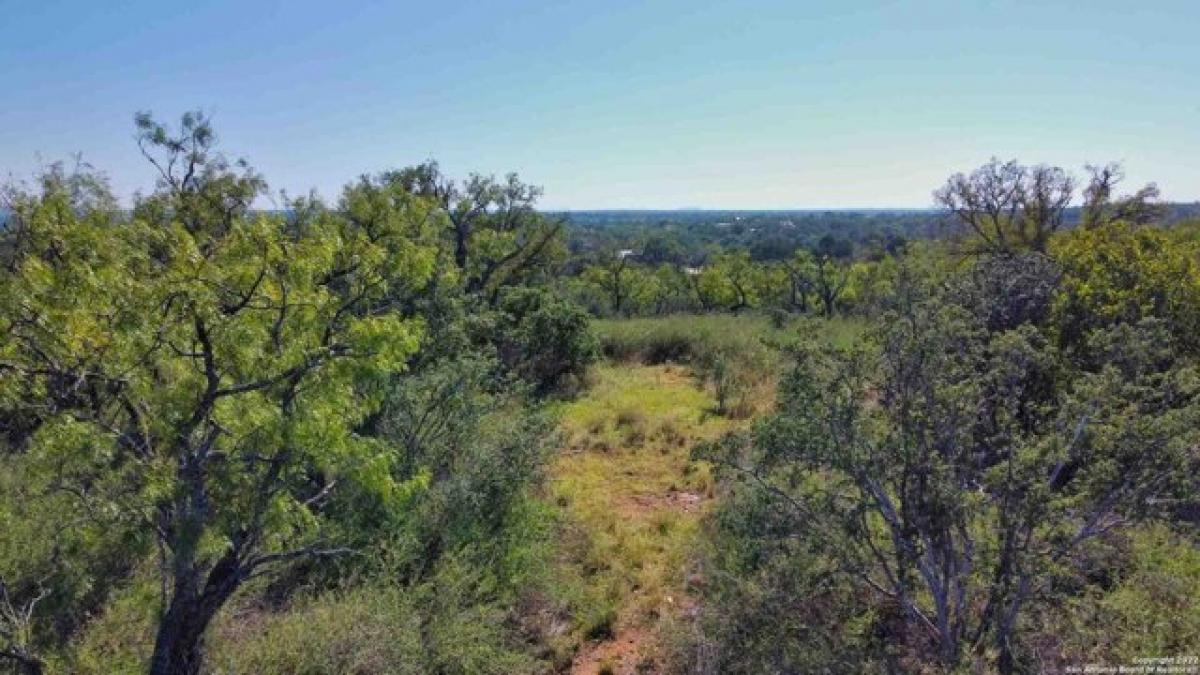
(618, 105)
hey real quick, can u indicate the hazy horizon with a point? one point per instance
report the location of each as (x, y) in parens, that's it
(777, 106)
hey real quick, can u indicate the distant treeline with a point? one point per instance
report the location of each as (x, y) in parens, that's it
(687, 236)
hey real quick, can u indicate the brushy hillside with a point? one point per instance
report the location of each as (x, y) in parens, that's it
(386, 434)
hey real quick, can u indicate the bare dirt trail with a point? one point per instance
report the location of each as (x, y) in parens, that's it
(627, 480)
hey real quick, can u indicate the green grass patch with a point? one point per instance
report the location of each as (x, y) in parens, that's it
(680, 338)
(736, 356)
(629, 489)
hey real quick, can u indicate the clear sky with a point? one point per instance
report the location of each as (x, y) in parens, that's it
(618, 105)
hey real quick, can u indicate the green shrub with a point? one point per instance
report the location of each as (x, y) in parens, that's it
(60, 558)
(681, 338)
(772, 605)
(366, 630)
(121, 637)
(545, 339)
(1149, 609)
(600, 623)
(442, 627)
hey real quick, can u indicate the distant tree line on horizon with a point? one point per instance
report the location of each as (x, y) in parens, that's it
(686, 237)
(637, 263)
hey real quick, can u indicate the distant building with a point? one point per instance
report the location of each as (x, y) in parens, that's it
(626, 253)
(693, 271)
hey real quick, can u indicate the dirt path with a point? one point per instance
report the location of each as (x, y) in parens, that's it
(627, 481)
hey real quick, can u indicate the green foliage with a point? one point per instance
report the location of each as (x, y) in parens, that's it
(617, 283)
(1118, 273)
(480, 454)
(314, 440)
(449, 623)
(196, 370)
(545, 339)
(949, 464)
(729, 281)
(1146, 606)
(492, 230)
(438, 574)
(57, 564)
(226, 388)
(444, 626)
(684, 237)
(778, 604)
(365, 630)
(120, 638)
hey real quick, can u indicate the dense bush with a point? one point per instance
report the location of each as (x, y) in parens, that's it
(1119, 274)
(958, 472)
(779, 604)
(545, 339)
(1131, 598)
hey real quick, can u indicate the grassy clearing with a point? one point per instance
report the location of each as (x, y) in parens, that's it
(680, 338)
(736, 356)
(631, 494)
(631, 497)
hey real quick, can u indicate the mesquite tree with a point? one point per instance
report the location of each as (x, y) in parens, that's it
(1008, 206)
(198, 368)
(498, 236)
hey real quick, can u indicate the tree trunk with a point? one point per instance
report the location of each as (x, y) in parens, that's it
(460, 247)
(1007, 662)
(178, 646)
(827, 299)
